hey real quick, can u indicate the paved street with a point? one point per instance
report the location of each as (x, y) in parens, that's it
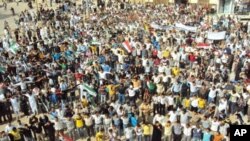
(6, 15)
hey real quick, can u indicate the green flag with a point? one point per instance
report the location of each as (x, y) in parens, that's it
(2, 69)
(94, 42)
(89, 89)
(14, 47)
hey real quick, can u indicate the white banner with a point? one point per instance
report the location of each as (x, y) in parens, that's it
(161, 27)
(216, 35)
(185, 27)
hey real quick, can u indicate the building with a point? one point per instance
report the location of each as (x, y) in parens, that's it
(221, 6)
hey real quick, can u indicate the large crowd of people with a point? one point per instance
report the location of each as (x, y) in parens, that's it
(121, 71)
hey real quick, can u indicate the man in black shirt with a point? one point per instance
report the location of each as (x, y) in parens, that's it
(121, 94)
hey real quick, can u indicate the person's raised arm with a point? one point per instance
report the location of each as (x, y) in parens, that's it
(17, 84)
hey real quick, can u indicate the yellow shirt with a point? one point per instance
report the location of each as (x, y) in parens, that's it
(165, 53)
(186, 103)
(201, 103)
(16, 135)
(176, 71)
(84, 102)
(167, 130)
(238, 89)
(145, 108)
(79, 122)
(93, 49)
(99, 136)
(112, 89)
(146, 130)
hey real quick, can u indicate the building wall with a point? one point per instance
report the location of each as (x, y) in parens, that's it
(216, 4)
(172, 1)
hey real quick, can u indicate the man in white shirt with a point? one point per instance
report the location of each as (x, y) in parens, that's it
(194, 104)
(156, 78)
(223, 104)
(88, 120)
(161, 68)
(97, 120)
(125, 121)
(128, 132)
(155, 104)
(212, 95)
(158, 118)
(23, 85)
(32, 102)
(131, 94)
(172, 116)
(162, 104)
(70, 124)
(187, 132)
(233, 101)
(58, 124)
(170, 102)
(215, 125)
(193, 89)
(184, 117)
(107, 121)
(223, 128)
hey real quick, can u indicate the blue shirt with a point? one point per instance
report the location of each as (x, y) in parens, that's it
(106, 68)
(116, 121)
(125, 67)
(68, 53)
(56, 56)
(63, 87)
(102, 59)
(53, 98)
(53, 114)
(176, 88)
(133, 121)
(206, 136)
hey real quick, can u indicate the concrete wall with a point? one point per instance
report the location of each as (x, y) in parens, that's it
(172, 1)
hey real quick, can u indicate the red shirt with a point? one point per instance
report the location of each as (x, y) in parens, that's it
(192, 58)
(155, 52)
(78, 76)
(157, 61)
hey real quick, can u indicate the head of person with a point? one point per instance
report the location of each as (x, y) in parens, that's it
(14, 129)
(102, 130)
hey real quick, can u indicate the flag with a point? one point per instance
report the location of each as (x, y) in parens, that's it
(95, 42)
(127, 46)
(2, 69)
(203, 45)
(14, 47)
(89, 89)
